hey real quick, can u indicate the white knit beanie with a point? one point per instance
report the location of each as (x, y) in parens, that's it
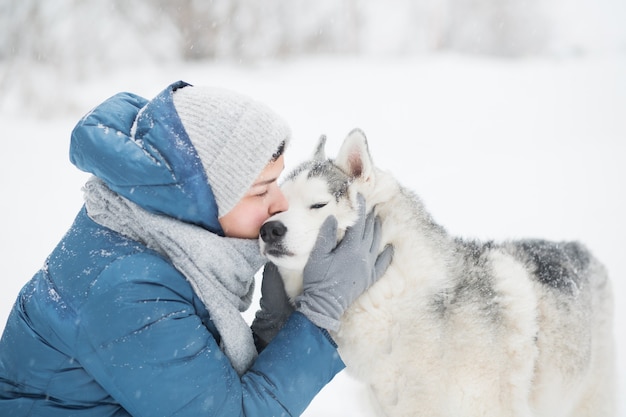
(235, 138)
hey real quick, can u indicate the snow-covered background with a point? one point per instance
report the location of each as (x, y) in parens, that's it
(500, 141)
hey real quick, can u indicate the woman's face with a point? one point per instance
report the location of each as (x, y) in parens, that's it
(262, 200)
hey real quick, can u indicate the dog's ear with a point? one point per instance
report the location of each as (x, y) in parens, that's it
(354, 156)
(320, 154)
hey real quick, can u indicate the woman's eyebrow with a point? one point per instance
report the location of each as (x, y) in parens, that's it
(266, 182)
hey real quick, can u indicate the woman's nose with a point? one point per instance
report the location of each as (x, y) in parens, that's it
(280, 202)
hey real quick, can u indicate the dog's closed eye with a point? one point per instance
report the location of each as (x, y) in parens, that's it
(317, 206)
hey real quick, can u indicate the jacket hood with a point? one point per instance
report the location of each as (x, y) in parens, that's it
(141, 150)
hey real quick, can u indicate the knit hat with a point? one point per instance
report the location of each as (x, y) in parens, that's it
(234, 136)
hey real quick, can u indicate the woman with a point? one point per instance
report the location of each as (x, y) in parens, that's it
(137, 310)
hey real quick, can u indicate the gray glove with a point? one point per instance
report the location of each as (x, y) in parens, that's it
(275, 307)
(336, 275)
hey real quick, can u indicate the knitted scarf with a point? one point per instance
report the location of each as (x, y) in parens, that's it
(220, 269)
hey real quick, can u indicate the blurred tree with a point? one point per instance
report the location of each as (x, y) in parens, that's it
(85, 36)
(78, 39)
(496, 27)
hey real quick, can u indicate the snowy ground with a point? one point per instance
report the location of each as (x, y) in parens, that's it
(496, 149)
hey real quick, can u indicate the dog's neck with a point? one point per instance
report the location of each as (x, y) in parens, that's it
(292, 278)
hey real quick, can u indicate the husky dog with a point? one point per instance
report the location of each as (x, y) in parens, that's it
(454, 328)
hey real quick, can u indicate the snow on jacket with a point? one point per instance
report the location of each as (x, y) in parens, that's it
(109, 327)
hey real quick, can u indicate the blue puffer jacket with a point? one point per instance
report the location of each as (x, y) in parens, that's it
(109, 328)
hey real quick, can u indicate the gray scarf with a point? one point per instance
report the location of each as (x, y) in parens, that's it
(220, 269)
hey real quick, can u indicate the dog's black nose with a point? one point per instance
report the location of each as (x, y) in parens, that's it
(273, 231)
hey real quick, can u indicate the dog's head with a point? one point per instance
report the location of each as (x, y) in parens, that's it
(315, 190)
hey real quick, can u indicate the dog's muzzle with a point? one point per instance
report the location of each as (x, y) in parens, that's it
(273, 232)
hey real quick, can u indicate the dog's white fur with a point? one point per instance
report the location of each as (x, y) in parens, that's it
(454, 328)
